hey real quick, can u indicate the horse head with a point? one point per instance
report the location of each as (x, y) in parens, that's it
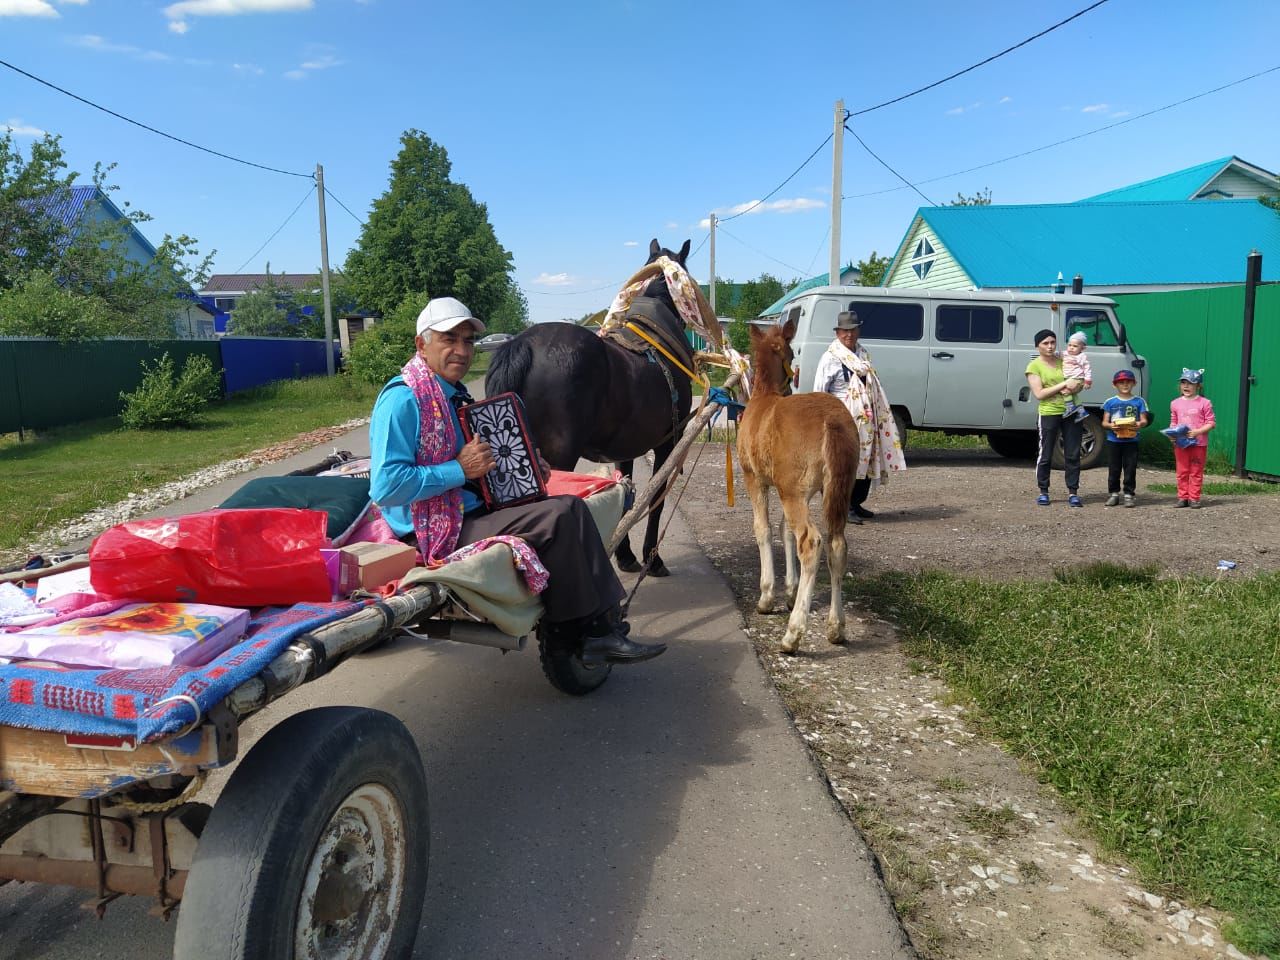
(772, 358)
(657, 287)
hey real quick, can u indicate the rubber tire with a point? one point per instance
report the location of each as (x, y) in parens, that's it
(901, 425)
(565, 671)
(240, 901)
(1014, 444)
(1092, 445)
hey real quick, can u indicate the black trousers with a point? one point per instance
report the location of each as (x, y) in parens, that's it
(1122, 456)
(567, 541)
(1051, 426)
(860, 490)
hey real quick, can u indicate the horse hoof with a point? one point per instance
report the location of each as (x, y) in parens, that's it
(765, 604)
(791, 648)
(629, 566)
(658, 569)
(835, 636)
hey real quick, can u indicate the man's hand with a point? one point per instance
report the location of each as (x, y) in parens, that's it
(476, 459)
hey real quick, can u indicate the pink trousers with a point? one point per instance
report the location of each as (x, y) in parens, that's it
(1190, 466)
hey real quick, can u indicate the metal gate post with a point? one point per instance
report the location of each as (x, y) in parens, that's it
(1252, 277)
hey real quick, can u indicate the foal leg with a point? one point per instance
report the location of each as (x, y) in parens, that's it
(808, 546)
(792, 579)
(837, 558)
(627, 561)
(759, 495)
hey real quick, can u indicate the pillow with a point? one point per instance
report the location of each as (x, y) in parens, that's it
(344, 499)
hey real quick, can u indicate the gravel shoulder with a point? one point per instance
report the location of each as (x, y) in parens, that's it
(981, 858)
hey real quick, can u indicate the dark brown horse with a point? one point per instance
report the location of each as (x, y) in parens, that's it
(587, 396)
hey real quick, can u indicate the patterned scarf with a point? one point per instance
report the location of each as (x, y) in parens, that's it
(879, 446)
(437, 521)
(687, 296)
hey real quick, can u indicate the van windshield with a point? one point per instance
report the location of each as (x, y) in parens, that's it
(1096, 325)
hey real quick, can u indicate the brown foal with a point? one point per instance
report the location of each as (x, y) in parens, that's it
(799, 445)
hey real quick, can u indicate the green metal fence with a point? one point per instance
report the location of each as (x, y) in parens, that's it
(44, 383)
(1204, 328)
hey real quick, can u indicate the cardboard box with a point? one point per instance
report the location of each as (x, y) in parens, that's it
(380, 563)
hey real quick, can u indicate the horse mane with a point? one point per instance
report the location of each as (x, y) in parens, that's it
(509, 368)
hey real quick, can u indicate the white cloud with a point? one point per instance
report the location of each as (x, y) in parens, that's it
(1120, 113)
(1095, 108)
(955, 111)
(319, 58)
(323, 62)
(631, 243)
(27, 8)
(796, 205)
(554, 280)
(91, 41)
(179, 12)
(295, 74)
(251, 68)
(19, 129)
(1005, 100)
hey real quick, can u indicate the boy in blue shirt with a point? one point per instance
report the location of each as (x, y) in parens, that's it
(1123, 416)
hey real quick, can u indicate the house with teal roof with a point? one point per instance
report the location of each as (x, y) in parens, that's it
(1186, 230)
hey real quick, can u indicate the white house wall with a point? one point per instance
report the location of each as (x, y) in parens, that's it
(945, 274)
(1238, 185)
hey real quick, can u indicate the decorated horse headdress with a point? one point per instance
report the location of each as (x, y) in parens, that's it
(693, 307)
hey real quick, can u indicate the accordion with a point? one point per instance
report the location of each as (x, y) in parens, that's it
(500, 422)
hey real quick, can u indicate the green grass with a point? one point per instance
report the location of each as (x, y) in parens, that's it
(934, 440)
(62, 473)
(1152, 705)
(1221, 488)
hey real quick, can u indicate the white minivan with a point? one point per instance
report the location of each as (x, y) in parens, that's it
(955, 360)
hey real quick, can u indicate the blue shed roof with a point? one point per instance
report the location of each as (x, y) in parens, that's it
(69, 208)
(1110, 244)
(1179, 185)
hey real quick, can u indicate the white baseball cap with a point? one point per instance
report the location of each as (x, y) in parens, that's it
(445, 313)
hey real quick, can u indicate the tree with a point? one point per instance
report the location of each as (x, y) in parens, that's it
(88, 260)
(263, 312)
(871, 270)
(512, 314)
(427, 233)
(980, 199)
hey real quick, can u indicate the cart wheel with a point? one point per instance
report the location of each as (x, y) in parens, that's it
(317, 847)
(567, 673)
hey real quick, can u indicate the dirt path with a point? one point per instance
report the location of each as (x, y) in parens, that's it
(982, 860)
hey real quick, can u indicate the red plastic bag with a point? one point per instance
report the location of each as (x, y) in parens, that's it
(234, 558)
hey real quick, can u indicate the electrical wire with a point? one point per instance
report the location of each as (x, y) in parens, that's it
(887, 167)
(136, 123)
(759, 251)
(1078, 136)
(814, 258)
(330, 194)
(779, 186)
(278, 229)
(982, 63)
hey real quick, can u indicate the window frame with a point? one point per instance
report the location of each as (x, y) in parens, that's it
(971, 309)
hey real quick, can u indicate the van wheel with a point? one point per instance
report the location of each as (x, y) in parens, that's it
(1092, 445)
(1014, 444)
(900, 424)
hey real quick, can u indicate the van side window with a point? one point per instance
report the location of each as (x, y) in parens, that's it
(1096, 326)
(889, 321)
(793, 315)
(964, 324)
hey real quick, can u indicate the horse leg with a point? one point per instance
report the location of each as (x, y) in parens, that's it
(792, 580)
(627, 561)
(759, 495)
(656, 567)
(837, 559)
(808, 545)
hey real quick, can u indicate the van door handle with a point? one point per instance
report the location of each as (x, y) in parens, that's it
(943, 355)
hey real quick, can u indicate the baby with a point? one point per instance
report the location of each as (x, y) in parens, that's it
(1077, 369)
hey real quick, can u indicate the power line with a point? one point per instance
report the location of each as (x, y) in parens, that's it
(343, 206)
(887, 167)
(981, 63)
(761, 252)
(136, 123)
(823, 243)
(779, 186)
(310, 190)
(1078, 136)
(574, 293)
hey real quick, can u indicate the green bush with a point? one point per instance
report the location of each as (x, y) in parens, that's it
(380, 352)
(166, 399)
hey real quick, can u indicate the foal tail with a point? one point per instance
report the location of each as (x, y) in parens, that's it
(840, 469)
(509, 368)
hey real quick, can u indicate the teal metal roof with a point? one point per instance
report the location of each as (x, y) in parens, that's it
(1109, 244)
(1179, 185)
(847, 275)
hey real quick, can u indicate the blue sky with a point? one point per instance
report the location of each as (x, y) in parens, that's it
(589, 128)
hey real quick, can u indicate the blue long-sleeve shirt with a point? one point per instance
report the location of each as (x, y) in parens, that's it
(396, 478)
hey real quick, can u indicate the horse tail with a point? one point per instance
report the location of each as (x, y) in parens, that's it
(509, 368)
(840, 470)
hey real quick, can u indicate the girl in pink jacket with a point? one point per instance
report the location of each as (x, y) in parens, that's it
(1190, 419)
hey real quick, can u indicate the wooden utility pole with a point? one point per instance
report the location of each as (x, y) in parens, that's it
(712, 282)
(324, 275)
(837, 168)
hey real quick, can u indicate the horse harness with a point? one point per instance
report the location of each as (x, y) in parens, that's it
(646, 330)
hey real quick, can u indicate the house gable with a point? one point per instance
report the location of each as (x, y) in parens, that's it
(924, 261)
(1227, 178)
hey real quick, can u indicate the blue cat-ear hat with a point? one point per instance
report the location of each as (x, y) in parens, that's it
(1192, 376)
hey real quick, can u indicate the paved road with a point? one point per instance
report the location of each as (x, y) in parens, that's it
(674, 813)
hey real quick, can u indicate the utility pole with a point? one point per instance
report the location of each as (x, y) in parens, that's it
(712, 283)
(324, 275)
(837, 168)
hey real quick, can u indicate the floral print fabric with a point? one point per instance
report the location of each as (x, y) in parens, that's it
(879, 446)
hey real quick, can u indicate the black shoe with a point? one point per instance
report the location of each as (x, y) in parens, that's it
(613, 647)
(863, 512)
(854, 518)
